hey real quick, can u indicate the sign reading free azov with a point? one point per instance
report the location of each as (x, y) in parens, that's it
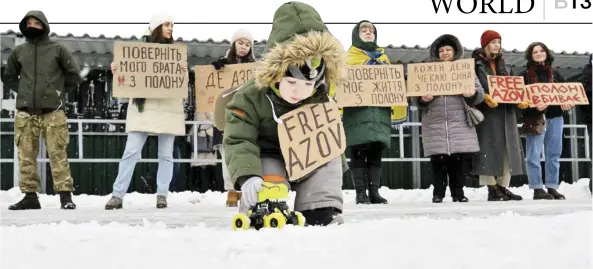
(149, 70)
(311, 136)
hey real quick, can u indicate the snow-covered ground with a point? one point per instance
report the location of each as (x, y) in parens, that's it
(195, 232)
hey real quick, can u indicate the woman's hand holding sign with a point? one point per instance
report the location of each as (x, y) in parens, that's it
(427, 98)
(114, 67)
(183, 66)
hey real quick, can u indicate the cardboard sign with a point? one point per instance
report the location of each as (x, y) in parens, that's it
(557, 94)
(441, 78)
(311, 136)
(220, 107)
(373, 85)
(210, 83)
(149, 70)
(507, 89)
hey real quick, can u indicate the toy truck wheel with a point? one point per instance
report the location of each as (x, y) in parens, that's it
(275, 220)
(241, 221)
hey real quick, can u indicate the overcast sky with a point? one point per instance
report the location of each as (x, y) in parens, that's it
(558, 37)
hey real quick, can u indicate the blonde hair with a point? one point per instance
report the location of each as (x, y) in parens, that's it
(366, 25)
(491, 55)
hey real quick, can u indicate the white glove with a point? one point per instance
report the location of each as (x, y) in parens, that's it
(249, 191)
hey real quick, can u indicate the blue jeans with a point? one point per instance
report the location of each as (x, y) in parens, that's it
(176, 166)
(131, 156)
(551, 141)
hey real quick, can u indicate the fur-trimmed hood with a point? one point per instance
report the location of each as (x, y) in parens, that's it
(451, 39)
(298, 33)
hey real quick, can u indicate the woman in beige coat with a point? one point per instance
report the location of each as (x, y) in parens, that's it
(160, 116)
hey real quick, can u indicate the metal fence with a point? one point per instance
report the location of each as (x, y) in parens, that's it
(415, 159)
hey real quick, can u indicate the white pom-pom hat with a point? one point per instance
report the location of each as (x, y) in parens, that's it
(159, 18)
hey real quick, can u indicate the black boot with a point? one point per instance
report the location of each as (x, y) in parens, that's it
(323, 216)
(66, 200)
(458, 195)
(554, 193)
(193, 179)
(204, 179)
(460, 199)
(495, 194)
(360, 185)
(509, 194)
(374, 184)
(540, 194)
(30, 201)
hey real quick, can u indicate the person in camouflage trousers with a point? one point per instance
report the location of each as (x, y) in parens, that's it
(41, 72)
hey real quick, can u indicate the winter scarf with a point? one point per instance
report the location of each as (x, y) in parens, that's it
(357, 56)
(532, 70)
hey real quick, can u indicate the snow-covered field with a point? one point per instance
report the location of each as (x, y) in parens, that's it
(195, 232)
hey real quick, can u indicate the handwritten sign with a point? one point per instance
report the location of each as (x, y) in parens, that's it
(441, 78)
(373, 85)
(310, 136)
(220, 107)
(210, 83)
(149, 70)
(507, 89)
(557, 94)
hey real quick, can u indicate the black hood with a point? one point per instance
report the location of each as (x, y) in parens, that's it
(37, 14)
(450, 40)
(359, 43)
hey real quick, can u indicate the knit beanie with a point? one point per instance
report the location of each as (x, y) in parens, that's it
(159, 18)
(488, 36)
(242, 33)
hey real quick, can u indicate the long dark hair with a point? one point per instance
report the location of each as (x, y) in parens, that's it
(532, 66)
(529, 53)
(157, 36)
(233, 58)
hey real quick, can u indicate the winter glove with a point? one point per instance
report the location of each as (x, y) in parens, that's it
(249, 193)
(523, 105)
(489, 101)
(220, 63)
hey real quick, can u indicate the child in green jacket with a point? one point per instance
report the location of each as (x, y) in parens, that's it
(301, 60)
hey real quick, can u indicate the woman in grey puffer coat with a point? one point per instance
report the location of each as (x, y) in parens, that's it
(446, 136)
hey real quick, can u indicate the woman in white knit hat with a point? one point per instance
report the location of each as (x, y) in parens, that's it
(241, 51)
(160, 116)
